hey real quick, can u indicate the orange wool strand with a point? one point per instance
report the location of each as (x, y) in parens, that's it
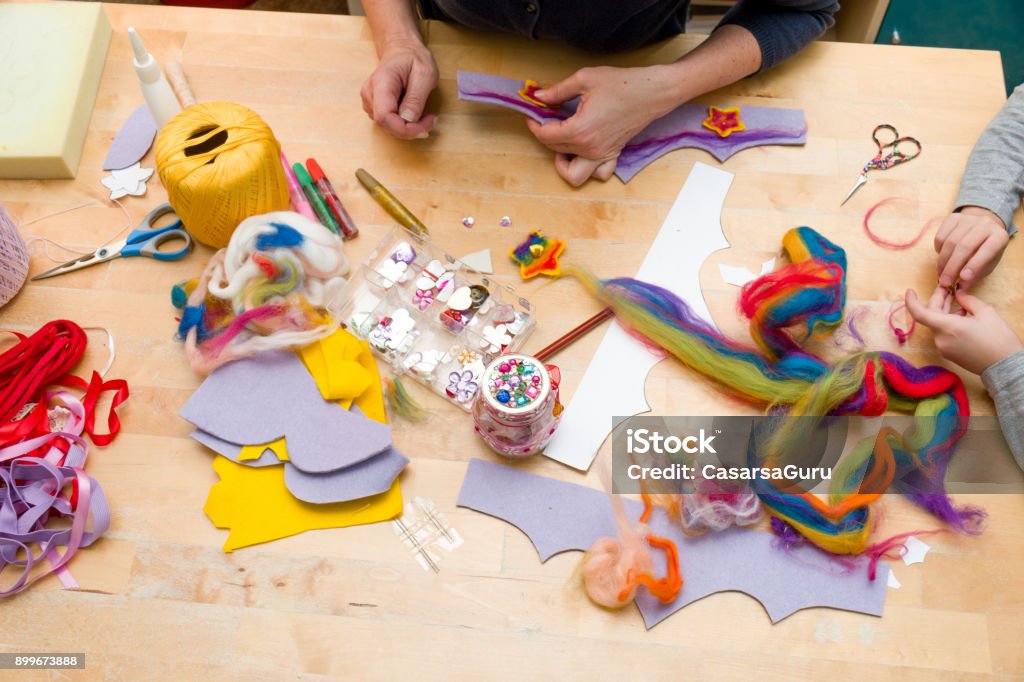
(614, 568)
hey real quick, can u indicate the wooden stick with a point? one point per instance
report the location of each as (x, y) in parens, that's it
(176, 77)
(572, 335)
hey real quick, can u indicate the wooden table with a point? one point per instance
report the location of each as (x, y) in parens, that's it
(160, 598)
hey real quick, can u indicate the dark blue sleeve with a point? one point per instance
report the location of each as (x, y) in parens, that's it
(782, 27)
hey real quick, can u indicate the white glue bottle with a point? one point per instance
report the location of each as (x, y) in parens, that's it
(160, 99)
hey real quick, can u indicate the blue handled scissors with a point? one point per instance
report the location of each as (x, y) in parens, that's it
(882, 160)
(144, 240)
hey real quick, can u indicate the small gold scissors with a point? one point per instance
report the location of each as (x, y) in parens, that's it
(882, 160)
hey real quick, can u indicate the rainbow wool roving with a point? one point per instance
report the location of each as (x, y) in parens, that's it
(809, 294)
(278, 284)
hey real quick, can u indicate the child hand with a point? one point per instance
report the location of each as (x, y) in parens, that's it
(970, 244)
(975, 338)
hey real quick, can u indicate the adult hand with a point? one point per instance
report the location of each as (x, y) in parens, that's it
(396, 92)
(975, 338)
(970, 244)
(615, 105)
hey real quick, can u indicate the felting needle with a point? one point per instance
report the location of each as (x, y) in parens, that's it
(416, 546)
(432, 517)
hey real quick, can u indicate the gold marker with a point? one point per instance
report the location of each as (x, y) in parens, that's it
(390, 204)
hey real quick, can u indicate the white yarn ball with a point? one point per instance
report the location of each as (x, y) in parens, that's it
(13, 258)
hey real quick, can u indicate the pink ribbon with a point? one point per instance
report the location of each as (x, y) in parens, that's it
(36, 491)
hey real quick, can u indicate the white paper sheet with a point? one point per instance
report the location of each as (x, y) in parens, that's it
(690, 233)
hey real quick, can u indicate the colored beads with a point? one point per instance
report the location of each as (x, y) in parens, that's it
(515, 383)
(518, 409)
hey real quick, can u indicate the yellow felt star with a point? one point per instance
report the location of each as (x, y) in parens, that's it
(725, 122)
(527, 93)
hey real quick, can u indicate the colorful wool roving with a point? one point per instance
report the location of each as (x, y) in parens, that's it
(278, 284)
(808, 295)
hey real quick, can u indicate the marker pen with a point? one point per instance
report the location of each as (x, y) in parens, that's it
(322, 212)
(348, 228)
(295, 191)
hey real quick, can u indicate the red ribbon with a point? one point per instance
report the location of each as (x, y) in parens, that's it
(35, 362)
(45, 359)
(93, 390)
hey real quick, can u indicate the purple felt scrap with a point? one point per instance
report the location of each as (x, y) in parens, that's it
(681, 127)
(132, 141)
(233, 450)
(559, 516)
(271, 395)
(370, 477)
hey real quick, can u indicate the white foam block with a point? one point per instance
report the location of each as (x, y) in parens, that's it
(51, 59)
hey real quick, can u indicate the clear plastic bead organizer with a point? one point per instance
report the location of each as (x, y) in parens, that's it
(431, 317)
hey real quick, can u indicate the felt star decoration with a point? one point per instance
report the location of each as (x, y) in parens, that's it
(127, 181)
(538, 255)
(527, 92)
(725, 122)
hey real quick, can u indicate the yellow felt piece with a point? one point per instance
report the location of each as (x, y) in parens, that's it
(254, 505)
(332, 362)
(345, 371)
(371, 402)
(53, 56)
(250, 452)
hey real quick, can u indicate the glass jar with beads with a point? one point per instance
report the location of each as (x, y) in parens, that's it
(518, 409)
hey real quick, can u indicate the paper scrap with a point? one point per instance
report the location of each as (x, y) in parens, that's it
(130, 181)
(559, 516)
(914, 551)
(893, 582)
(271, 395)
(254, 505)
(691, 232)
(479, 261)
(132, 141)
(738, 276)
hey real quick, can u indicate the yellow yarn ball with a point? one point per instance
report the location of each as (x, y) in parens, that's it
(220, 164)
